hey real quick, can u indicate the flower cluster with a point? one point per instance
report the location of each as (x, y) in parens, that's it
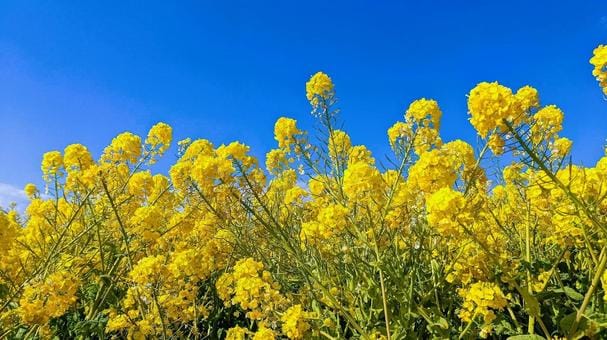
(294, 324)
(599, 61)
(48, 299)
(319, 88)
(250, 287)
(481, 299)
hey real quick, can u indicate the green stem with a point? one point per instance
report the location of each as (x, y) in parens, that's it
(531, 326)
(593, 286)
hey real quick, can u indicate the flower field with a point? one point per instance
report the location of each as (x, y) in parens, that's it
(319, 240)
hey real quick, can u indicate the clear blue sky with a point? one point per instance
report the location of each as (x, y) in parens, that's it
(83, 71)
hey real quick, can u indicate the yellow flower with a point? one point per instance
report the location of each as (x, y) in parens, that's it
(496, 144)
(480, 299)
(542, 280)
(331, 221)
(253, 289)
(30, 190)
(285, 131)
(238, 152)
(141, 183)
(148, 270)
(446, 211)
(433, 170)
(43, 301)
(362, 182)
(159, 138)
(319, 87)
(513, 172)
(276, 160)
(360, 153)
(77, 157)
(547, 123)
(561, 146)
(236, 333)
(126, 147)
(527, 98)
(599, 61)
(52, 162)
(207, 170)
(294, 324)
(116, 322)
(339, 144)
(489, 104)
(9, 231)
(399, 131)
(424, 112)
(264, 333)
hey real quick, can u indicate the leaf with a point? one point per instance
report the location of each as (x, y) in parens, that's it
(571, 293)
(532, 306)
(434, 317)
(567, 321)
(526, 337)
(599, 319)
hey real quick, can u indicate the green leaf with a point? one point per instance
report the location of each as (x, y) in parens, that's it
(598, 320)
(571, 293)
(567, 321)
(532, 306)
(526, 337)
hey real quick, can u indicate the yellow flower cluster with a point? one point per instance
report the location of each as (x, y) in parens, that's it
(294, 324)
(362, 182)
(599, 61)
(561, 147)
(481, 299)
(399, 131)
(52, 162)
(446, 211)
(496, 144)
(250, 287)
(339, 144)
(319, 88)
(547, 123)
(30, 190)
(285, 131)
(236, 333)
(424, 112)
(329, 223)
(491, 105)
(9, 230)
(77, 157)
(264, 333)
(126, 147)
(434, 170)
(527, 98)
(49, 299)
(360, 153)
(276, 160)
(159, 139)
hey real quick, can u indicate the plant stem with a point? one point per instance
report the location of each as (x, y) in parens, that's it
(593, 286)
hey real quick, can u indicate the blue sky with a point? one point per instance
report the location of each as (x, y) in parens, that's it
(226, 70)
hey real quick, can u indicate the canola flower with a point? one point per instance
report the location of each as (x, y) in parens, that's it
(322, 238)
(319, 88)
(599, 61)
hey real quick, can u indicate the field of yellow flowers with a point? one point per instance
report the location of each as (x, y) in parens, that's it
(319, 241)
